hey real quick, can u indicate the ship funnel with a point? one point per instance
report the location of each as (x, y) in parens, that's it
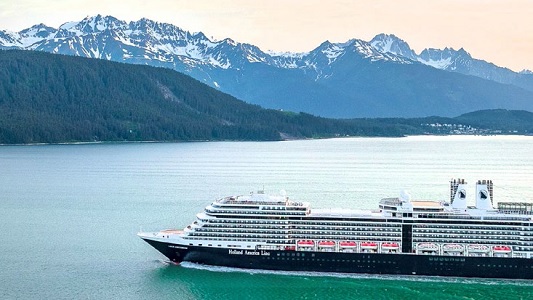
(484, 194)
(458, 193)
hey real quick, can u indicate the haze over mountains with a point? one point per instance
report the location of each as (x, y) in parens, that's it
(47, 98)
(380, 78)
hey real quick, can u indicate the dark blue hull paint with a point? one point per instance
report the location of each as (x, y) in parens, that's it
(395, 264)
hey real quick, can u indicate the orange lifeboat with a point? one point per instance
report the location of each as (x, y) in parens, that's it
(390, 246)
(369, 245)
(501, 249)
(348, 244)
(326, 244)
(306, 243)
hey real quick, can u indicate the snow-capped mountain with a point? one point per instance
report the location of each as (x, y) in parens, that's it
(147, 40)
(462, 62)
(448, 59)
(389, 43)
(9, 40)
(137, 42)
(35, 34)
(354, 78)
(319, 62)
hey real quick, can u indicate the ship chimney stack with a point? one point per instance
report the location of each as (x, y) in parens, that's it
(458, 194)
(484, 194)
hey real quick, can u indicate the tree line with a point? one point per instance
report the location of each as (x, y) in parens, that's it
(47, 98)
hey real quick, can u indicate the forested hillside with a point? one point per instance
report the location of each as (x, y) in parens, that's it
(46, 98)
(500, 119)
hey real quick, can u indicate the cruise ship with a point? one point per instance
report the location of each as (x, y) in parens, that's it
(402, 236)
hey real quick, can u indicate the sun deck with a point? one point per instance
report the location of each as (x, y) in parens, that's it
(344, 213)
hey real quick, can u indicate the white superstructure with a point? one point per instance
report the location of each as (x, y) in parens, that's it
(401, 225)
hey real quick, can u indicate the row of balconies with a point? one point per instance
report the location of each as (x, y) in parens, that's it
(354, 228)
(474, 241)
(243, 221)
(225, 239)
(455, 231)
(360, 238)
(254, 212)
(242, 231)
(303, 234)
(347, 224)
(462, 227)
(306, 228)
(230, 234)
(322, 235)
(333, 232)
(469, 240)
(467, 234)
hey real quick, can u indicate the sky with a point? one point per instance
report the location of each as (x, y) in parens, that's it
(498, 31)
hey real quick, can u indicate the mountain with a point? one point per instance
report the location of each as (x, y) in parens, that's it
(458, 61)
(380, 78)
(47, 98)
(389, 43)
(500, 119)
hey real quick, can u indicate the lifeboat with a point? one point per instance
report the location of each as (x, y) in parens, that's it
(478, 248)
(326, 244)
(369, 245)
(501, 249)
(390, 246)
(427, 248)
(348, 244)
(453, 248)
(306, 243)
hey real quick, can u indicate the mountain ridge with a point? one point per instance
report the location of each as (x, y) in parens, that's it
(47, 98)
(385, 43)
(297, 82)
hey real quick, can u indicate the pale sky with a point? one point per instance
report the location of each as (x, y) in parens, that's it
(499, 31)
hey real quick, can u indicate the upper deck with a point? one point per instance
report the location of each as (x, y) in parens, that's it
(260, 199)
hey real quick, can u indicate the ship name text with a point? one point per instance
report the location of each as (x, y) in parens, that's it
(249, 252)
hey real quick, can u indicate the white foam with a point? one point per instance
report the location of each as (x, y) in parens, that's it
(418, 278)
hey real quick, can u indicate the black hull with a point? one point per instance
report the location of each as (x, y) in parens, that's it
(394, 264)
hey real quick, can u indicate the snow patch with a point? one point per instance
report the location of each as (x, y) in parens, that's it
(217, 63)
(439, 64)
(68, 25)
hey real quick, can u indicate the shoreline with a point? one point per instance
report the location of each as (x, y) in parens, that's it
(282, 140)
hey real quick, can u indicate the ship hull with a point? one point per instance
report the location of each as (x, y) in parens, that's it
(367, 263)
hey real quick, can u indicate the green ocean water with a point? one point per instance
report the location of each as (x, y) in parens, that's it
(69, 213)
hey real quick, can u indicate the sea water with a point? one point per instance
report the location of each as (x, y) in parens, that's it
(69, 214)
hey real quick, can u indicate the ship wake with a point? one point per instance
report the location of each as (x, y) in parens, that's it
(417, 278)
